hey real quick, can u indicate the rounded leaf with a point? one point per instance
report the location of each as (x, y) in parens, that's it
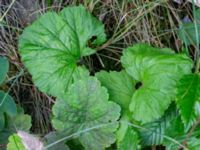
(7, 104)
(86, 108)
(53, 45)
(157, 71)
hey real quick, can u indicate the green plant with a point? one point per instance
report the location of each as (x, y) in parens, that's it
(12, 117)
(151, 91)
(7, 104)
(187, 31)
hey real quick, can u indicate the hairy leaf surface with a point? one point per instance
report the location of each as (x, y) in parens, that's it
(86, 110)
(158, 70)
(54, 44)
(188, 98)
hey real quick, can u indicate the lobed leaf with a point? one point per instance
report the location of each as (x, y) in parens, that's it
(87, 112)
(157, 70)
(53, 46)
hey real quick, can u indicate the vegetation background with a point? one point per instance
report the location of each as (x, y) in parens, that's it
(126, 22)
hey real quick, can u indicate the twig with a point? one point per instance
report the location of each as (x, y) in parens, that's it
(2, 17)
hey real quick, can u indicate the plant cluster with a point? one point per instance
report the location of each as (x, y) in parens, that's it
(12, 117)
(153, 100)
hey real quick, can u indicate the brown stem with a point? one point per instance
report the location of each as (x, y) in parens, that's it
(105, 45)
(153, 148)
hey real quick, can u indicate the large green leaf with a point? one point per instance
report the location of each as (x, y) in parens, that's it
(54, 44)
(120, 87)
(157, 71)
(86, 108)
(3, 68)
(188, 98)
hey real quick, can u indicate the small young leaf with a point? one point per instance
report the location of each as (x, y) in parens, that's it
(86, 107)
(120, 87)
(20, 121)
(188, 97)
(53, 45)
(17, 122)
(157, 71)
(15, 143)
(3, 68)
